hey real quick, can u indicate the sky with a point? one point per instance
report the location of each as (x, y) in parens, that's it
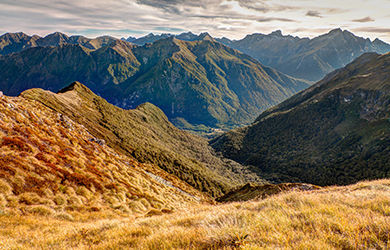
(220, 18)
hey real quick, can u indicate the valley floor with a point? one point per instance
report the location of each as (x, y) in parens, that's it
(350, 217)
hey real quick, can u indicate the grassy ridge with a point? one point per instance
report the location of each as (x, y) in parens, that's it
(146, 134)
(351, 217)
(51, 166)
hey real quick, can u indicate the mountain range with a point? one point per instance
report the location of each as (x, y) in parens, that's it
(151, 38)
(196, 84)
(304, 58)
(16, 42)
(335, 132)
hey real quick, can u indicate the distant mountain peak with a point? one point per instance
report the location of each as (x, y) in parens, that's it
(206, 37)
(277, 33)
(337, 30)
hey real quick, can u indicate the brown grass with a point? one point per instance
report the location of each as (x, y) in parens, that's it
(352, 217)
(48, 169)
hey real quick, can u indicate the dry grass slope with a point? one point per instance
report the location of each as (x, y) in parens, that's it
(350, 217)
(51, 166)
(146, 134)
(253, 191)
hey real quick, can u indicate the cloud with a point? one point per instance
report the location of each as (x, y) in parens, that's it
(374, 30)
(313, 13)
(249, 18)
(264, 6)
(174, 6)
(364, 20)
(230, 18)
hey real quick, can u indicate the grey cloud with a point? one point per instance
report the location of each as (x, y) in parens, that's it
(313, 13)
(217, 5)
(364, 20)
(336, 10)
(250, 18)
(264, 6)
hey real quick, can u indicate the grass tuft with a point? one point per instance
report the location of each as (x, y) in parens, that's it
(40, 210)
(5, 188)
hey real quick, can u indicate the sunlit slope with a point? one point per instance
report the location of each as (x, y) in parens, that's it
(52, 166)
(146, 134)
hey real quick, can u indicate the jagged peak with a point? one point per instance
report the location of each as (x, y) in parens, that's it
(57, 34)
(335, 31)
(277, 33)
(205, 36)
(14, 35)
(187, 33)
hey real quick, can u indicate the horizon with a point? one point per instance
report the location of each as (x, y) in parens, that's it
(220, 18)
(174, 34)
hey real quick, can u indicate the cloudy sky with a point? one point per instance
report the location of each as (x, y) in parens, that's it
(229, 18)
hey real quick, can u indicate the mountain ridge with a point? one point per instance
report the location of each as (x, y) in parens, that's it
(334, 132)
(199, 83)
(307, 58)
(17, 42)
(146, 135)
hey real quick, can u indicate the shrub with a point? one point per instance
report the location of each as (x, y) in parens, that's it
(40, 210)
(60, 199)
(30, 199)
(5, 188)
(124, 208)
(136, 206)
(64, 216)
(16, 143)
(13, 201)
(47, 192)
(83, 191)
(75, 200)
(3, 201)
(112, 201)
(153, 212)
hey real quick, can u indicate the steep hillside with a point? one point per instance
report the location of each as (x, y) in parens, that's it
(16, 42)
(53, 68)
(335, 132)
(146, 134)
(204, 82)
(52, 166)
(306, 58)
(195, 83)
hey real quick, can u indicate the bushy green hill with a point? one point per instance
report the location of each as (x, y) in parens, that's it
(335, 132)
(146, 134)
(195, 83)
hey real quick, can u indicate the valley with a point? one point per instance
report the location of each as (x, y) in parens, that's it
(185, 142)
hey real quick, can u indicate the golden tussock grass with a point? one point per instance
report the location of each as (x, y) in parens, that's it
(351, 217)
(53, 167)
